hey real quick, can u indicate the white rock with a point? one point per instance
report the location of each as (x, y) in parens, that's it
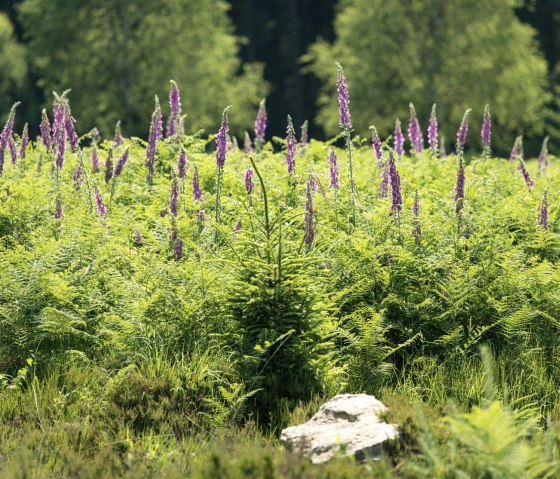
(347, 424)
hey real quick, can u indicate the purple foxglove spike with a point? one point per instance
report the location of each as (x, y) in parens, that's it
(459, 198)
(462, 132)
(333, 170)
(196, 188)
(120, 163)
(175, 121)
(6, 135)
(542, 211)
(109, 167)
(77, 178)
(304, 139)
(433, 131)
(486, 131)
(118, 140)
(343, 99)
(384, 184)
(138, 238)
(309, 216)
(45, 128)
(260, 122)
(13, 150)
(517, 150)
(58, 210)
(376, 144)
(395, 182)
(94, 160)
(542, 160)
(24, 142)
(153, 137)
(399, 138)
(101, 208)
(291, 146)
(174, 197)
(414, 131)
(416, 227)
(178, 249)
(221, 141)
(71, 131)
(247, 145)
(249, 185)
(182, 164)
(442, 151)
(59, 130)
(523, 168)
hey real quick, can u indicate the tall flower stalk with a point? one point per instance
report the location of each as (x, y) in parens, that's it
(24, 142)
(117, 172)
(416, 226)
(376, 145)
(6, 135)
(291, 146)
(346, 126)
(221, 155)
(101, 208)
(517, 150)
(486, 131)
(175, 126)
(260, 125)
(174, 197)
(462, 132)
(156, 133)
(459, 197)
(45, 128)
(249, 185)
(433, 131)
(526, 176)
(395, 182)
(334, 175)
(309, 217)
(542, 160)
(414, 131)
(398, 139)
(542, 212)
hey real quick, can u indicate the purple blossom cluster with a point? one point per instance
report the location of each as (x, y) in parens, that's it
(486, 131)
(376, 145)
(433, 131)
(416, 226)
(260, 122)
(414, 131)
(517, 150)
(24, 142)
(309, 216)
(343, 99)
(249, 185)
(462, 132)
(118, 139)
(196, 188)
(459, 198)
(542, 211)
(175, 121)
(395, 182)
(523, 169)
(221, 141)
(399, 138)
(333, 170)
(290, 146)
(156, 134)
(119, 167)
(174, 197)
(94, 160)
(6, 135)
(182, 164)
(101, 208)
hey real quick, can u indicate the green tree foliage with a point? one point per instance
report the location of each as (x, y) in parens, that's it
(13, 66)
(460, 54)
(115, 54)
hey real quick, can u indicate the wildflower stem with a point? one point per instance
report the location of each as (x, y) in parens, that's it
(351, 173)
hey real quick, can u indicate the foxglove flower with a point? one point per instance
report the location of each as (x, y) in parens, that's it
(291, 146)
(309, 217)
(459, 198)
(77, 178)
(542, 211)
(45, 128)
(120, 163)
(414, 131)
(59, 131)
(333, 170)
(70, 130)
(156, 132)
(24, 142)
(109, 167)
(13, 150)
(6, 135)
(433, 131)
(376, 145)
(58, 210)
(343, 99)
(523, 169)
(138, 238)
(94, 160)
(249, 185)
(486, 131)
(399, 138)
(174, 197)
(178, 248)
(118, 139)
(247, 145)
(304, 139)
(175, 122)
(260, 123)
(182, 164)
(416, 227)
(236, 230)
(395, 182)
(517, 150)
(384, 184)
(196, 188)
(542, 160)
(462, 132)
(221, 141)
(101, 208)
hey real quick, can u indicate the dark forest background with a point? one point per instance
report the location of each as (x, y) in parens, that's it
(275, 34)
